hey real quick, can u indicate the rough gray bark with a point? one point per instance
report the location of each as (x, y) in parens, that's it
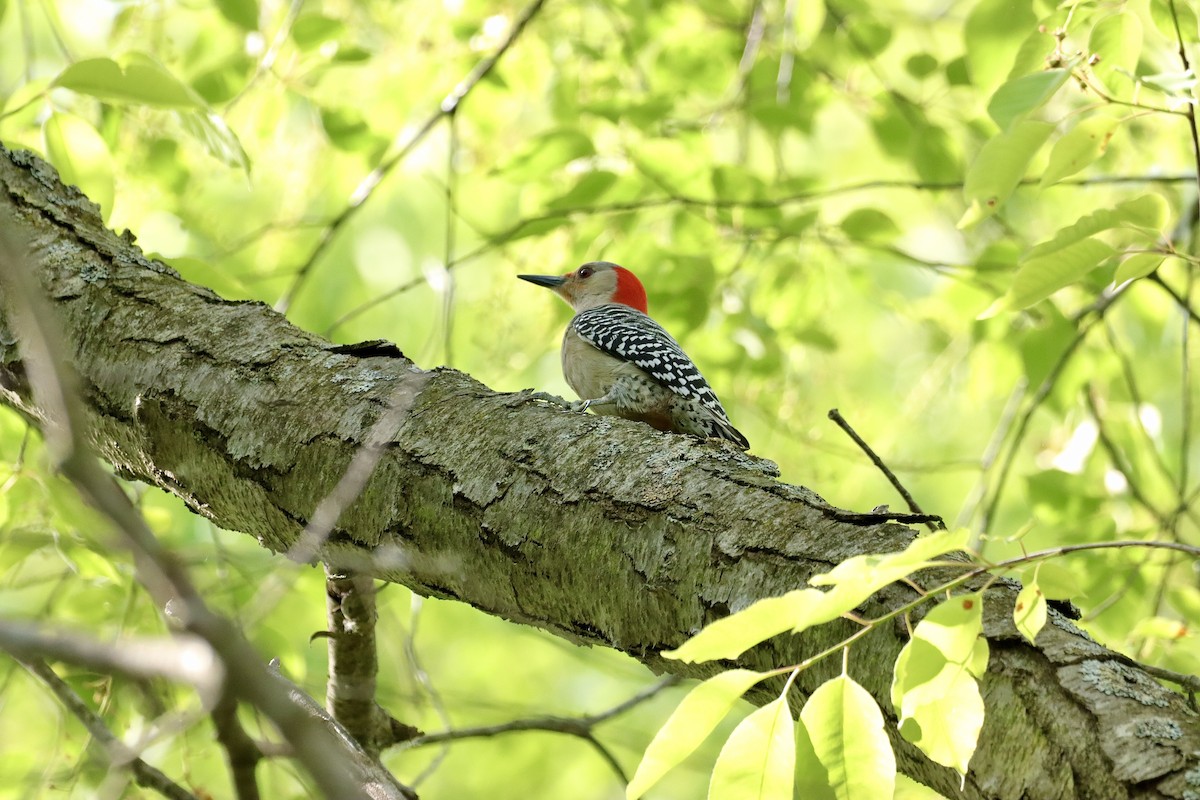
(597, 529)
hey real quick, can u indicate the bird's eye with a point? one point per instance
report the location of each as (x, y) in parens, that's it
(585, 272)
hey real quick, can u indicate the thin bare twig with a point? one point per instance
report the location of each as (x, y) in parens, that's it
(1086, 318)
(573, 726)
(913, 505)
(367, 186)
(117, 753)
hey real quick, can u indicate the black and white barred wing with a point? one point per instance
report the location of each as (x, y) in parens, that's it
(630, 335)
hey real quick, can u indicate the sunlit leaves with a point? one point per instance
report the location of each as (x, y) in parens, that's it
(590, 187)
(1075, 251)
(1173, 18)
(312, 30)
(807, 20)
(547, 152)
(1029, 611)
(1116, 42)
(140, 80)
(730, 636)
(999, 167)
(908, 789)
(1041, 275)
(853, 581)
(758, 759)
(934, 688)
(993, 31)
(847, 733)
(689, 725)
(1014, 100)
(1054, 579)
(242, 13)
(812, 779)
(1078, 148)
(81, 157)
(1137, 265)
(857, 578)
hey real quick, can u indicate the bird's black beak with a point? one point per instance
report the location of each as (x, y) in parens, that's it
(549, 281)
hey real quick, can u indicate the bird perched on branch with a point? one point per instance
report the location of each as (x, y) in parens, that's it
(621, 362)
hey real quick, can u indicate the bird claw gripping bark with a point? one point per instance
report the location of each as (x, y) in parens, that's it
(552, 399)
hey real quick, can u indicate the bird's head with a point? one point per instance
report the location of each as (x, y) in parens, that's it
(594, 284)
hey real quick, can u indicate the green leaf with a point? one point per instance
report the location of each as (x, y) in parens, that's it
(534, 227)
(1167, 15)
(1014, 100)
(1072, 253)
(807, 21)
(999, 168)
(312, 30)
(1078, 148)
(1149, 211)
(1116, 42)
(846, 729)
(947, 714)
(81, 157)
(243, 13)
(854, 580)
(759, 759)
(1029, 611)
(736, 183)
(992, 32)
(934, 689)
(857, 578)
(1176, 84)
(689, 725)
(921, 65)
(1138, 265)
(548, 152)
(1041, 276)
(218, 138)
(731, 636)
(141, 81)
(590, 188)
(812, 780)
(869, 225)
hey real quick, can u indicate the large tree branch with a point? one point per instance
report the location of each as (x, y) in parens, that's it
(596, 529)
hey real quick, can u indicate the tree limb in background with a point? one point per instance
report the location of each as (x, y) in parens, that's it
(47, 379)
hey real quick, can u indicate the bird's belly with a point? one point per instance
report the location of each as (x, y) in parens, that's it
(593, 374)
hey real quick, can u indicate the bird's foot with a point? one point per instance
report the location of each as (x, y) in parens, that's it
(552, 399)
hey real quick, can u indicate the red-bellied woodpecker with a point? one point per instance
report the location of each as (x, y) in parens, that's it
(620, 361)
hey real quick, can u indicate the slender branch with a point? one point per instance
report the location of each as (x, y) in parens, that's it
(117, 753)
(913, 505)
(367, 186)
(580, 727)
(181, 658)
(500, 238)
(1086, 318)
(241, 751)
(1182, 301)
(1120, 462)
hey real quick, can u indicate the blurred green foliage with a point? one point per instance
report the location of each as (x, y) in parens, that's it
(823, 199)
